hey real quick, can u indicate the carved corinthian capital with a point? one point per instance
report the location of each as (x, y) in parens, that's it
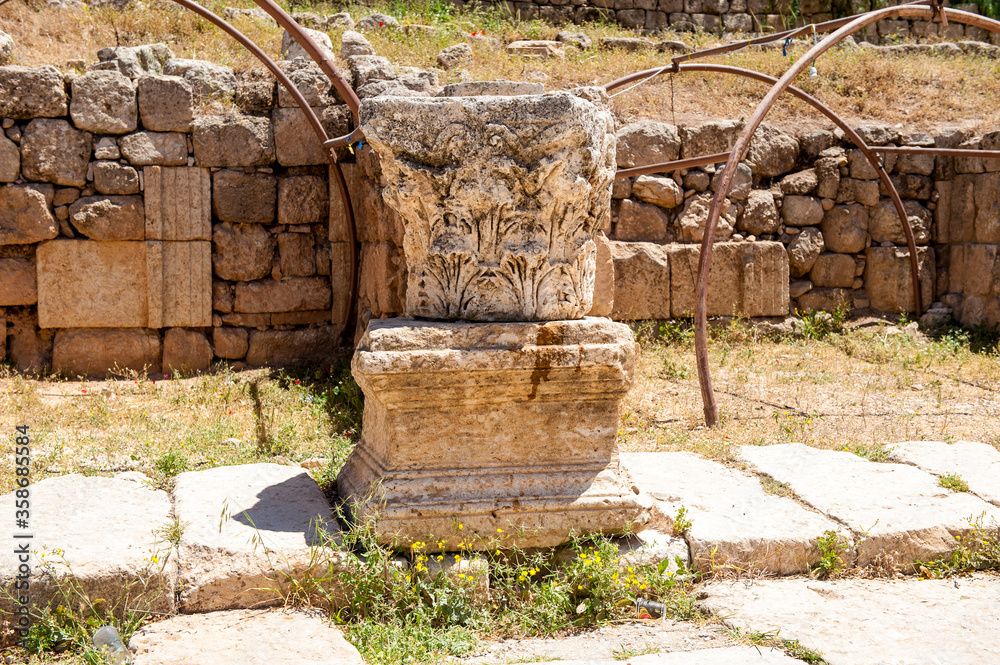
(500, 198)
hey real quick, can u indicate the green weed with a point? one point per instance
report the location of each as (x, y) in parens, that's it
(831, 546)
(979, 549)
(953, 482)
(682, 523)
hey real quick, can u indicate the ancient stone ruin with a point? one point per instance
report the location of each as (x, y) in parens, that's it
(502, 425)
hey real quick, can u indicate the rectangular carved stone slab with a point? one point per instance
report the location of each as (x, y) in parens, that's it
(746, 279)
(178, 203)
(90, 284)
(507, 429)
(180, 284)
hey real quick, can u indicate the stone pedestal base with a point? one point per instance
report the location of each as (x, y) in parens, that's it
(482, 435)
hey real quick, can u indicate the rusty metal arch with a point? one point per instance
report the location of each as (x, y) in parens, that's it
(926, 9)
(822, 108)
(342, 87)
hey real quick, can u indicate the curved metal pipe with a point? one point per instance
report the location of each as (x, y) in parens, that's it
(825, 110)
(743, 143)
(317, 127)
(315, 52)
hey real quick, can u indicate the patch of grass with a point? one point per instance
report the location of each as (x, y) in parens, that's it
(771, 639)
(63, 630)
(831, 546)
(876, 452)
(953, 482)
(978, 549)
(624, 652)
(431, 605)
(776, 487)
(163, 427)
(682, 522)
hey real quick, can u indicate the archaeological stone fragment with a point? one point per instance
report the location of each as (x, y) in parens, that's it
(500, 248)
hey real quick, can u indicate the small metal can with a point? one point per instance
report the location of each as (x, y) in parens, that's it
(650, 609)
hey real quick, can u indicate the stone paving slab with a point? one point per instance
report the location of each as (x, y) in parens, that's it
(745, 655)
(977, 463)
(899, 512)
(104, 532)
(246, 528)
(734, 521)
(872, 622)
(243, 637)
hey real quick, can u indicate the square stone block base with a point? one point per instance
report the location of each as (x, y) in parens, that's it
(482, 435)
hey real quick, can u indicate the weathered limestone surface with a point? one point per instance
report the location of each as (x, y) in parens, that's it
(122, 559)
(734, 522)
(454, 413)
(642, 281)
(903, 511)
(282, 348)
(238, 637)
(859, 622)
(98, 353)
(104, 102)
(232, 141)
(17, 282)
(10, 160)
(504, 247)
(54, 151)
(747, 279)
(287, 295)
(186, 351)
(109, 217)
(303, 199)
(889, 280)
(741, 655)
(604, 278)
(166, 103)
(178, 203)
(242, 252)
(180, 283)
(25, 216)
(296, 143)
(114, 178)
(32, 92)
(977, 463)
(89, 284)
(155, 148)
(495, 88)
(244, 525)
(244, 197)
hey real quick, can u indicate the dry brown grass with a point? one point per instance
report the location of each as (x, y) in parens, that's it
(162, 427)
(861, 391)
(917, 91)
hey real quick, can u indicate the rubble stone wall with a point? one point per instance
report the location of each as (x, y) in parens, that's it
(807, 226)
(148, 220)
(145, 226)
(731, 16)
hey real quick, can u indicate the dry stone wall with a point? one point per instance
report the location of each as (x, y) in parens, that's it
(737, 16)
(144, 225)
(148, 222)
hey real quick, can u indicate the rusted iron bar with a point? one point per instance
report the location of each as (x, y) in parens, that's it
(939, 152)
(676, 165)
(828, 112)
(315, 52)
(743, 143)
(317, 127)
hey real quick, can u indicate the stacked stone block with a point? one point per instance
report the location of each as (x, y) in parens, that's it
(738, 16)
(145, 225)
(142, 226)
